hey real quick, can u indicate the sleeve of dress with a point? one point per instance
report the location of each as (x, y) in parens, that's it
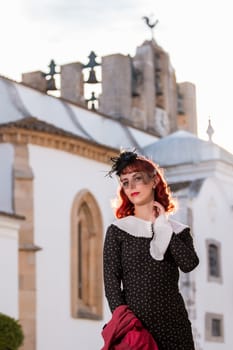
(182, 250)
(162, 235)
(112, 269)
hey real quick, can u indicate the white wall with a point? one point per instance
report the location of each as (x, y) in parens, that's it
(58, 177)
(213, 219)
(9, 266)
(6, 187)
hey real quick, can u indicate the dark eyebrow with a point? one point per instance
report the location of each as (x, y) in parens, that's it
(125, 179)
(137, 173)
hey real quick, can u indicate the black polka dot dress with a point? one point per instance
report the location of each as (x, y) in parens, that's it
(149, 286)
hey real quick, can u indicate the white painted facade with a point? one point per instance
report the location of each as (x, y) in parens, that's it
(206, 203)
(6, 159)
(55, 187)
(213, 219)
(9, 230)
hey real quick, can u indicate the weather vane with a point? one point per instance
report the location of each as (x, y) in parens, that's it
(150, 24)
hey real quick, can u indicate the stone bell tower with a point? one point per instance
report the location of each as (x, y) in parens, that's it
(143, 91)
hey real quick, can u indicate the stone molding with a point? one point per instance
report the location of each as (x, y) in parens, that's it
(209, 336)
(85, 211)
(27, 247)
(53, 137)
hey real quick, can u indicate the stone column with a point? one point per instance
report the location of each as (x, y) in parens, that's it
(23, 205)
(168, 99)
(144, 62)
(116, 97)
(172, 102)
(188, 121)
(72, 87)
(35, 80)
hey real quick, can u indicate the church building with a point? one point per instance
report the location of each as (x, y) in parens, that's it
(55, 198)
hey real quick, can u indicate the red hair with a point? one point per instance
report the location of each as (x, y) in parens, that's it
(162, 193)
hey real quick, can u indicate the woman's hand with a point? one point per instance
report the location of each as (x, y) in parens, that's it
(158, 209)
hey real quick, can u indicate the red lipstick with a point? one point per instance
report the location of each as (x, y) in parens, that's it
(134, 194)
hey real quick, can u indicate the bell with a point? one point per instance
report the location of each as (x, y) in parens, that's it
(92, 100)
(51, 84)
(92, 77)
(52, 65)
(50, 81)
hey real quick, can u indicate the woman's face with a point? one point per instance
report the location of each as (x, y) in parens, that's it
(138, 187)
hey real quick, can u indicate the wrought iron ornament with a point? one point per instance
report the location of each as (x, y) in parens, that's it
(150, 24)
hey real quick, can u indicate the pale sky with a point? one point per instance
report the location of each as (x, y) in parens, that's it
(196, 34)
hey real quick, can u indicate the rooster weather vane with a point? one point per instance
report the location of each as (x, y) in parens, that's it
(150, 25)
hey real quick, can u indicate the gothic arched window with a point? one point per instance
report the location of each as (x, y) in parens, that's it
(86, 257)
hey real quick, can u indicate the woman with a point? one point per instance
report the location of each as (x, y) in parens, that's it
(144, 250)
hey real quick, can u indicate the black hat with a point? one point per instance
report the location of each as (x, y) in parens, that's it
(122, 161)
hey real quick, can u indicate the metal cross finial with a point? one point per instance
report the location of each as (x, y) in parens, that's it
(50, 80)
(210, 130)
(92, 100)
(52, 69)
(92, 61)
(150, 25)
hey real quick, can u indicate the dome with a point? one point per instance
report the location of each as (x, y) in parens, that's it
(183, 147)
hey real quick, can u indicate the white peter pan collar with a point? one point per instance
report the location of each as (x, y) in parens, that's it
(162, 228)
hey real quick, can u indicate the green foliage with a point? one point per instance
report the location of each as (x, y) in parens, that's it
(11, 333)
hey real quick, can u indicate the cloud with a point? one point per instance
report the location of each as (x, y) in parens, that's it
(79, 12)
(101, 23)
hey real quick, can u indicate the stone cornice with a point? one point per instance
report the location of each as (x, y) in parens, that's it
(52, 137)
(29, 247)
(11, 215)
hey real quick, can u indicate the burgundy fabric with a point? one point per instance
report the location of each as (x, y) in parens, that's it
(125, 332)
